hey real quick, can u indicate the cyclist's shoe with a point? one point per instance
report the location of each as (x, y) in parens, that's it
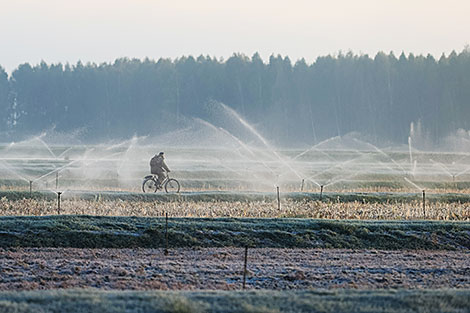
(159, 187)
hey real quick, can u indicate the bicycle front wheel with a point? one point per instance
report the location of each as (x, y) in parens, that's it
(149, 185)
(172, 186)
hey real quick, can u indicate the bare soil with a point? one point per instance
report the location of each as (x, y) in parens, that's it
(222, 268)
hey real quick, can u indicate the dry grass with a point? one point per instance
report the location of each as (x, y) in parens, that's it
(289, 208)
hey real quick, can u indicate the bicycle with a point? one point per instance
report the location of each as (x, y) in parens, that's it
(151, 184)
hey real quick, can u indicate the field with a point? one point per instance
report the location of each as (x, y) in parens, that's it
(353, 229)
(265, 301)
(141, 232)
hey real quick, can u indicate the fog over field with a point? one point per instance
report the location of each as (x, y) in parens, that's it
(225, 152)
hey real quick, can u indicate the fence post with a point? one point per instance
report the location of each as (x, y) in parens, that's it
(166, 234)
(244, 266)
(424, 203)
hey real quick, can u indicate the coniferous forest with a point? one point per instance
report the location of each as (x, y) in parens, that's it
(378, 96)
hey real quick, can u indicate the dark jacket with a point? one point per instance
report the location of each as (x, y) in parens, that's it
(157, 165)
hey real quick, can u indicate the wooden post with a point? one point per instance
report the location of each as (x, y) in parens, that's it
(166, 233)
(58, 202)
(244, 266)
(278, 199)
(424, 203)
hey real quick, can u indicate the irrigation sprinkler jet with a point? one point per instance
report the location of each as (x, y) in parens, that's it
(64, 152)
(413, 184)
(132, 143)
(2, 163)
(443, 167)
(256, 177)
(332, 182)
(237, 140)
(340, 165)
(261, 138)
(463, 172)
(383, 153)
(409, 149)
(39, 138)
(315, 147)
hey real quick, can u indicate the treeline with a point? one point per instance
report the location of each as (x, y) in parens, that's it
(293, 103)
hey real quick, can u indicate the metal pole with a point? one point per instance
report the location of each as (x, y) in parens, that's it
(321, 192)
(166, 234)
(58, 202)
(302, 186)
(424, 203)
(278, 199)
(244, 266)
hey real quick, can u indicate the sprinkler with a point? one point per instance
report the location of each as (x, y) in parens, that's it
(302, 186)
(278, 199)
(58, 202)
(321, 192)
(30, 188)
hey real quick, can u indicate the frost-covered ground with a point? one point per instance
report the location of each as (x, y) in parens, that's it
(221, 268)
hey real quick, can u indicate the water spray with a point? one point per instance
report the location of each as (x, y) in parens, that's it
(409, 181)
(238, 141)
(2, 164)
(258, 135)
(314, 147)
(463, 172)
(383, 153)
(409, 150)
(445, 169)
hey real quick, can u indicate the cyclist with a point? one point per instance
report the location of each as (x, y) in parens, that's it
(158, 167)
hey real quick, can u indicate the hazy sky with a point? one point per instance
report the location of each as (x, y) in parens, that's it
(103, 30)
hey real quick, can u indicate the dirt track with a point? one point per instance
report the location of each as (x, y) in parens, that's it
(221, 268)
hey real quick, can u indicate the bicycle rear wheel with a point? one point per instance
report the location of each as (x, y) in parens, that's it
(172, 186)
(149, 185)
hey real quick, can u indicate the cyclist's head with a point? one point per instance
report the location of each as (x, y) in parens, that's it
(161, 153)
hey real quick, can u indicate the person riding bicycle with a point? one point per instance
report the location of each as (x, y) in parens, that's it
(158, 167)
